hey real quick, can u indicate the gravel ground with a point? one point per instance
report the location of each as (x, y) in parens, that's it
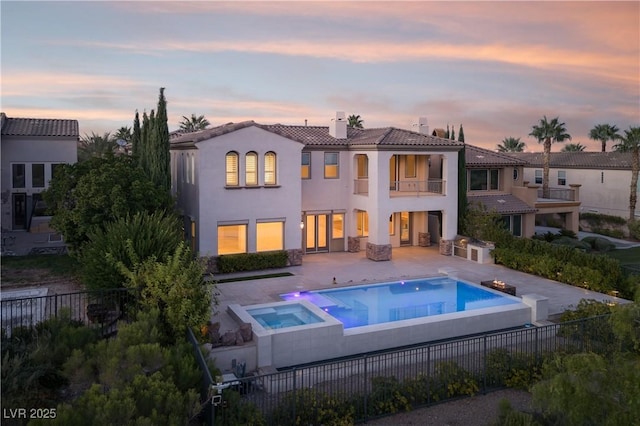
(479, 410)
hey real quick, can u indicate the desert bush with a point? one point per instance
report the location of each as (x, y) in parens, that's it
(634, 228)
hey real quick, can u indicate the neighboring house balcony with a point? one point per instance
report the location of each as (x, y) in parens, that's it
(405, 188)
(560, 194)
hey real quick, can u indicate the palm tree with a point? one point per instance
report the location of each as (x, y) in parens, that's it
(194, 123)
(548, 132)
(573, 147)
(96, 146)
(355, 121)
(630, 142)
(124, 133)
(511, 144)
(604, 133)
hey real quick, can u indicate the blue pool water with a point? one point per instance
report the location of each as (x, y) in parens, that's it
(283, 316)
(387, 302)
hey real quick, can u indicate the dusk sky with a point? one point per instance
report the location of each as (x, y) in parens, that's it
(495, 67)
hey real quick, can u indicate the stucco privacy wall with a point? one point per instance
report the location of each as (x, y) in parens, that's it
(248, 204)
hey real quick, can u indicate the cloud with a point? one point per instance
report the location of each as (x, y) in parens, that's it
(21, 83)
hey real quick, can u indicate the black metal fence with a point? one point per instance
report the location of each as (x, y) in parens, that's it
(99, 308)
(378, 384)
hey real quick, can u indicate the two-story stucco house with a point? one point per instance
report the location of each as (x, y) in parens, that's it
(250, 187)
(31, 150)
(495, 181)
(604, 178)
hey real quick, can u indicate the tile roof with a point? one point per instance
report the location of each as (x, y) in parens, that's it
(319, 136)
(39, 127)
(478, 157)
(578, 160)
(502, 203)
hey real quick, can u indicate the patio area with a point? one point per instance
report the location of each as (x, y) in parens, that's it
(319, 270)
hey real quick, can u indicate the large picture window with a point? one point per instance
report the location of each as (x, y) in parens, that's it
(363, 166)
(331, 165)
(483, 179)
(337, 230)
(269, 236)
(232, 239)
(270, 168)
(410, 166)
(251, 169)
(513, 223)
(231, 169)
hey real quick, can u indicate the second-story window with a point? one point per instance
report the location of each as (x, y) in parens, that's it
(305, 170)
(231, 168)
(410, 166)
(363, 166)
(18, 176)
(562, 177)
(37, 175)
(270, 168)
(538, 177)
(251, 169)
(331, 165)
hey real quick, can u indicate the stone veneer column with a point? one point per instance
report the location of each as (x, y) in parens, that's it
(446, 247)
(295, 257)
(378, 252)
(353, 244)
(424, 239)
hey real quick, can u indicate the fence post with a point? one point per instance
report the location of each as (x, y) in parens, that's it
(484, 362)
(366, 391)
(295, 394)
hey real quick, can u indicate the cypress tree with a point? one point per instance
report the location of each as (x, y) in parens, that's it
(446, 135)
(161, 166)
(143, 160)
(453, 133)
(461, 134)
(149, 144)
(135, 138)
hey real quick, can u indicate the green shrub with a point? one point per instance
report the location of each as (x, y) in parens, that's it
(251, 261)
(634, 228)
(596, 219)
(127, 240)
(509, 417)
(238, 411)
(313, 407)
(451, 380)
(613, 233)
(515, 370)
(388, 396)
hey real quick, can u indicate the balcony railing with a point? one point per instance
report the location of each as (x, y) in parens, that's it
(558, 194)
(361, 186)
(417, 187)
(404, 187)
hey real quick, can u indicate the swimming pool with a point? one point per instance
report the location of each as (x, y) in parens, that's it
(401, 300)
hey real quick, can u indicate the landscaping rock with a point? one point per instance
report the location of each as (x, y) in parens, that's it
(246, 332)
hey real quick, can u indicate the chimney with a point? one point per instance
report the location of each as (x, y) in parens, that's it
(338, 126)
(423, 127)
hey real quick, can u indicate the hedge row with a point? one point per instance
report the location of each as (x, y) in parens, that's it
(565, 264)
(251, 261)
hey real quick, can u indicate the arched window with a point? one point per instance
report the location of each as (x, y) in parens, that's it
(251, 168)
(270, 168)
(231, 168)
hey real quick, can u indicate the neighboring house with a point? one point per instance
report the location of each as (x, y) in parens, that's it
(31, 150)
(604, 177)
(493, 179)
(250, 187)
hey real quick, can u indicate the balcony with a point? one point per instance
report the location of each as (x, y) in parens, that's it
(404, 188)
(562, 194)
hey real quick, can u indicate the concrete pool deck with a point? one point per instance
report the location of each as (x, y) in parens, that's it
(318, 271)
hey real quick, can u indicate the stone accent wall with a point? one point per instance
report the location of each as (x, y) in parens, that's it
(295, 257)
(378, 252)
(424, 239)
(446, 247)
(353, 244)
